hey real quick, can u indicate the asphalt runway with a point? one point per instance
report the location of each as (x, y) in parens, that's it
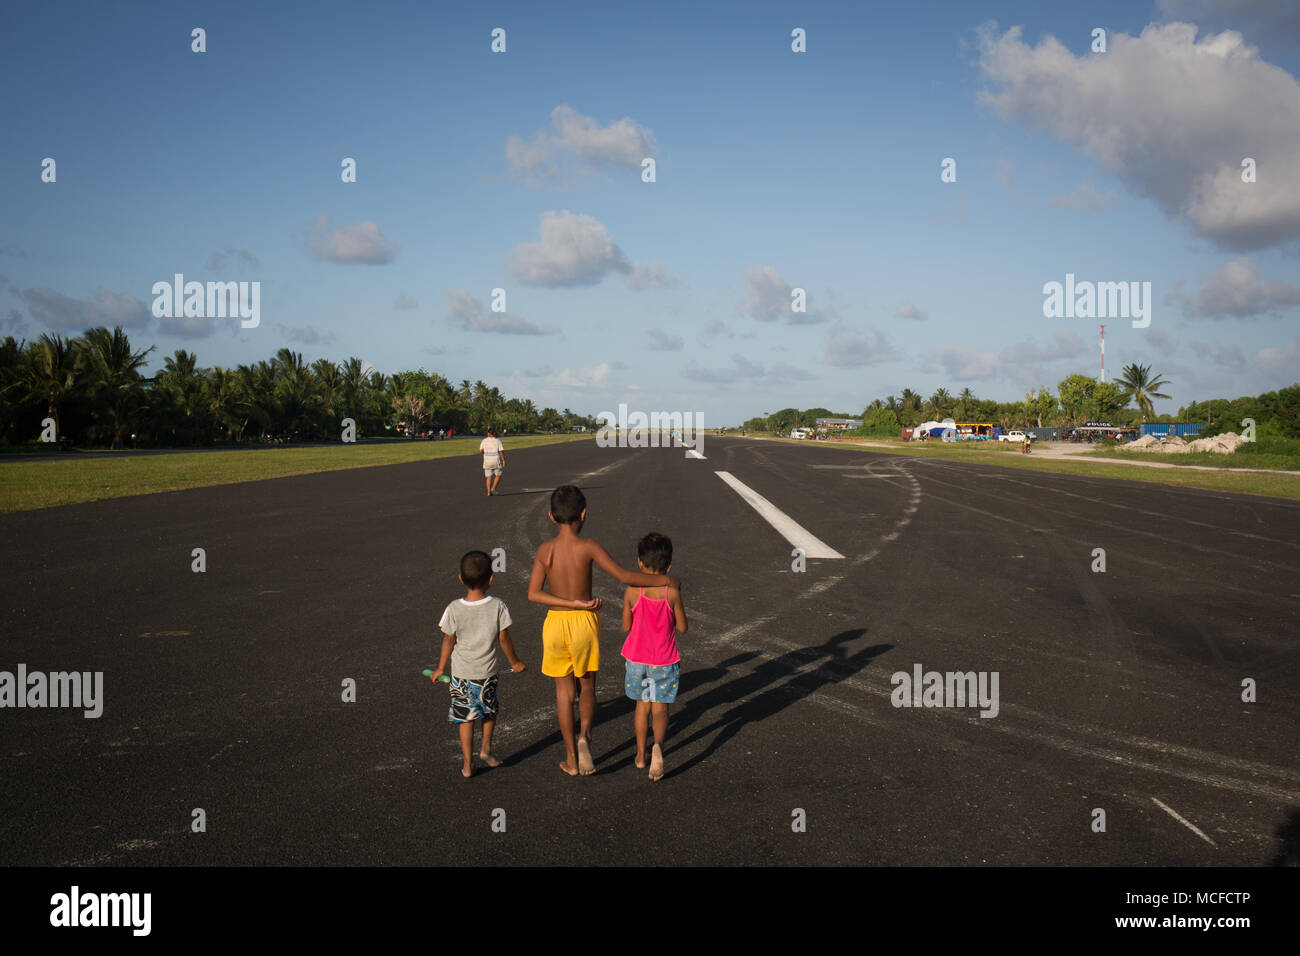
(1119, 691)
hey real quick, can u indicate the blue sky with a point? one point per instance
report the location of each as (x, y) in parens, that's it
(774, 170)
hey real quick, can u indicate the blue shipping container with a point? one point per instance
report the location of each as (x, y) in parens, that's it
(1161, 429)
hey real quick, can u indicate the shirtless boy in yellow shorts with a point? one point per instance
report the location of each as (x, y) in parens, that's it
(571, 631)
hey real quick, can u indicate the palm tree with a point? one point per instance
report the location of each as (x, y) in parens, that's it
(941, 402)
(113, 370)
(964, 402)
(1140, 386)
(50, 373)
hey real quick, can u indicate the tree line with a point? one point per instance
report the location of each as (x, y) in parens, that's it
(1078, 399)
(94, 388)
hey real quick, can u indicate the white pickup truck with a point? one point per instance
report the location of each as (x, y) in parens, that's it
(1016, 436)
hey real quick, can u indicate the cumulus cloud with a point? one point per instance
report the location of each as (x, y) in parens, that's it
(846, 349)
(1224, 356)
(657, 340)
(1279, 363)
(13, 324)
(1023, 362)
(623, 143)
(576, 250)
(909, 311)
(769, 298)
(1276, 21)
(305, 334)
(106, 308)
(648, 275)
(745, 371)
(363, 243)
(1171, 117)
(404, 301)
(591, 376)
(1086, 197)
(1235, 290)
(218, 260)
(189, 326)
(467, 312)
(1161, 340)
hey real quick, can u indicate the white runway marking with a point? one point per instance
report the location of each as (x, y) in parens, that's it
(791, 530)
(692, 453)
(1195, 829)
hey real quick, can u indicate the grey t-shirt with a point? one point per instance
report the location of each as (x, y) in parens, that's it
(475, 625)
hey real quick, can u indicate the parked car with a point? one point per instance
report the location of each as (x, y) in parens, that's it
(1017, 437)
(798, 433)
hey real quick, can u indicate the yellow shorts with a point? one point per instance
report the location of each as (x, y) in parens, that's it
(570, 643)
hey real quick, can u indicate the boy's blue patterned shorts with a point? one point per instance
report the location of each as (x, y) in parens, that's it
(472, 699)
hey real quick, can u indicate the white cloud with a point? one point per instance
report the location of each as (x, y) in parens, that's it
(573, 250)
(1280, 363)
(1024, 362)
(909, 311)
(769, 298)
(1171, 118)
(1235, 290)
(648, 275)
(966, 365)
(468, 313)
(1224, 356)
(105, 308)
(623, 143)
(1260, 20)
(657, 340)
(362, 243)
(845, 349)
(743, 370)
(218, 259)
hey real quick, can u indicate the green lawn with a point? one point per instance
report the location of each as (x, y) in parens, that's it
(1277, 486)
(66, 480)
(1279, 453)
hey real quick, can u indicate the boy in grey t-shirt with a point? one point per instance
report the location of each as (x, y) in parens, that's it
(472, 627)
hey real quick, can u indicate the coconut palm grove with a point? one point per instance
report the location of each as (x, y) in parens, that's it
(93, 387)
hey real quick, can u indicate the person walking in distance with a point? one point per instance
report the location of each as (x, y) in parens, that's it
(494, 460)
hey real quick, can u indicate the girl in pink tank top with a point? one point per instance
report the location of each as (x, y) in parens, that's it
(652, 661)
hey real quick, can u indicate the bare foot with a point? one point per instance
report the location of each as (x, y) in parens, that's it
(640, 761)
(586, 766)
(467, 772)
(564, 765)
(488, 759)
(656, 763)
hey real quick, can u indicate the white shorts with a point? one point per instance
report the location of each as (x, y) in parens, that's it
(490, 469)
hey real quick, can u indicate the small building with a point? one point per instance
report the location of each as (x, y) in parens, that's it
(1163, 429)
(838, 424)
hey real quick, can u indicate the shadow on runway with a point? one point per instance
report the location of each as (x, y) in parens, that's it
(774, 692)
(1288, 838)
(770, 688)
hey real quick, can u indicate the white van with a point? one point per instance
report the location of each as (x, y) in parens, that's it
(798, 433)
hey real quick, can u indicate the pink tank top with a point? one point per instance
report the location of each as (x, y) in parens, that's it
(651, 640)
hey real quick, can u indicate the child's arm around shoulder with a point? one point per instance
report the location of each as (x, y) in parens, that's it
(623, 575)
(679, 609)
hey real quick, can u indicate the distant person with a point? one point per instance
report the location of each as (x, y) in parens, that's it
(571, 631)
(652, 669)
(472, 627)
(494, 460)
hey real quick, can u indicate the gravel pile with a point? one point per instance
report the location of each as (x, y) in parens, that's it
(1224, 444)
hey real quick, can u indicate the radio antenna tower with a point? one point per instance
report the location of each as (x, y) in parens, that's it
(1103, 355)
